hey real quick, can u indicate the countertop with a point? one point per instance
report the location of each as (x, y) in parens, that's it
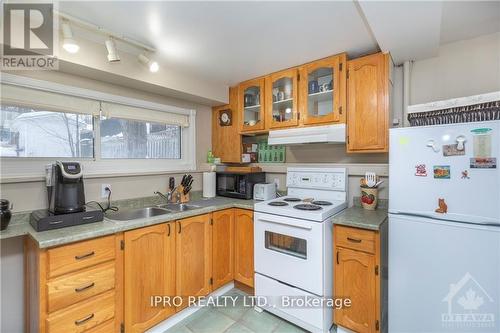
(19, 226)
(358, 217)
(62, 236)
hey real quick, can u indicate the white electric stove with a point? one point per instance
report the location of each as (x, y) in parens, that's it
(293, 244)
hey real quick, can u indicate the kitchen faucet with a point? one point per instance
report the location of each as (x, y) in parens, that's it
(169, 195)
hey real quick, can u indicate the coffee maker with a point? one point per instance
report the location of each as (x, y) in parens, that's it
(65, 188)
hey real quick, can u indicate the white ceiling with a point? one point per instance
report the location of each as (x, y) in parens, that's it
(228, 42)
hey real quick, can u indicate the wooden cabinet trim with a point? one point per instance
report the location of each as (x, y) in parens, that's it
(244, 247)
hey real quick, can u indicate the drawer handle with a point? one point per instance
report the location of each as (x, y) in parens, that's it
(87, 218)
(84, 320)
(56, 222)
(354, 240)
(83, 256)
(90, 285)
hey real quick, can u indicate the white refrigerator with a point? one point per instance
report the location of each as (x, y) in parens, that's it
(444, 228)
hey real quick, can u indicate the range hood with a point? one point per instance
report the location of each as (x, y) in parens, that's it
(312, 134)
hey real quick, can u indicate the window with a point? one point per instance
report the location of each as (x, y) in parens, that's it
(123, 138)
(41, 122)
(26, 132)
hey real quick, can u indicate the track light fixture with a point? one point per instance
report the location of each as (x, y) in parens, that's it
(69, 44)
(112, 51)
(152, 65)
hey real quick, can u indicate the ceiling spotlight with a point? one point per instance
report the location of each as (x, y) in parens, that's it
(112, 51)
(69, 44)
(152, 65)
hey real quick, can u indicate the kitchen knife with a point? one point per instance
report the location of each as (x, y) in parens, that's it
(171, 183)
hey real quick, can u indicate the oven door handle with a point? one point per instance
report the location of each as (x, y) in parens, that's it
(287, 224)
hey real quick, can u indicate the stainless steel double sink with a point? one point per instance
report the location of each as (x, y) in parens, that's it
(140, 213)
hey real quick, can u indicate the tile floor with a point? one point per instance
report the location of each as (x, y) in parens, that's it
(237, 319)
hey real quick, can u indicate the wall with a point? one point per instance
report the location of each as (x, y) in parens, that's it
(462, 68)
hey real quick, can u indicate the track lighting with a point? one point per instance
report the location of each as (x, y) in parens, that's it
(152, 65)
(69, 44)
(112, 51)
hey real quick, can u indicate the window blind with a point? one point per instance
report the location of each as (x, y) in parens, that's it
(114, 110)
(40, 99)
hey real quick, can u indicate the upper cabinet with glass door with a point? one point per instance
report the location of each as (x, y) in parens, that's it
(323, 91)
(282, 99)
(251, 105)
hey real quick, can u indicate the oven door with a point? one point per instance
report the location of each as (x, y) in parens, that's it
(290, 250)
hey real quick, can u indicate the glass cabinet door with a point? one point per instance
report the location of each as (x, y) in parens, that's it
(281, 99)
(321, 92)
(251, 105)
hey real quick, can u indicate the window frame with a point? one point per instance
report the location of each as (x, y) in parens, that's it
(29, 168)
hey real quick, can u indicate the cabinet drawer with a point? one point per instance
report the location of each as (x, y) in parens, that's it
(68, 258)
(83, 316)
(75, 287)
(356, 239)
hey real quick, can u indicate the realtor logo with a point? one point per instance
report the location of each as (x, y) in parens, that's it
(468, 303)
(29, 36)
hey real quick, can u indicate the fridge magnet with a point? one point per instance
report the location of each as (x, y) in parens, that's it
(420, 170)
(442, 171)
(452, 150)
(483, 163)
(442, 207)
(465, 174)
(481, 142)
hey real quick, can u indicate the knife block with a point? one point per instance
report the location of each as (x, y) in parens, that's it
(184, 198)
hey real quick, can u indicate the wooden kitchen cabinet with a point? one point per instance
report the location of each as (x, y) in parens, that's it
(149, 271)
(281, 99)
(357, 277)
(251, 105)
(243, 252)
(226, 139)
(322, 91)
(75, 287)
(368, 104)
(193, 257)
(222, 247)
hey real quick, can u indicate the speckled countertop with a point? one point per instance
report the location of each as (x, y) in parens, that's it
(20, 226)
(359, 217)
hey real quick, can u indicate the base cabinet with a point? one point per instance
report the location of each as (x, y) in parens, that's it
(149, 271)
(222, 247)
(106, 284)
(356, 277)
(75, 287)
(243, 250)
(193, 257)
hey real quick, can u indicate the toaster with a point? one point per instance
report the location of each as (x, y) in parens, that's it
(264, 191)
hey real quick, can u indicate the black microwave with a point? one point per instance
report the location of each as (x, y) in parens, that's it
(238, 185)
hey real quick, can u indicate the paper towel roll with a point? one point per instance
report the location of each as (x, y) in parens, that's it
(209, 184)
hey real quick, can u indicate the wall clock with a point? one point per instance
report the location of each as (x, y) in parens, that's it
(225, 117)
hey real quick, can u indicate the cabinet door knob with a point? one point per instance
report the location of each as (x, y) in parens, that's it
(80, 289)
(84, 320)
(83, 256)
(354, 240)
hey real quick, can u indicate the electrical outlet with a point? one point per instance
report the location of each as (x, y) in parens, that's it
(104, 192)
(277, 182)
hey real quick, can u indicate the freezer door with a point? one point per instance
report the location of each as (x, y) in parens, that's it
(469, 194)
(443, 276)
